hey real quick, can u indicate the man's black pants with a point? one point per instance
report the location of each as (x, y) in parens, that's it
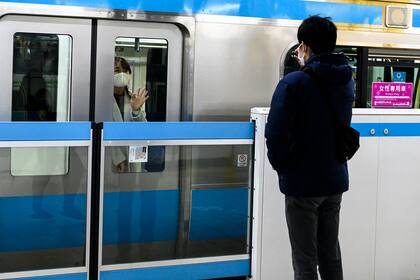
(313, 224)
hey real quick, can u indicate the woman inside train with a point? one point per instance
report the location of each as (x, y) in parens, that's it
(127, 107)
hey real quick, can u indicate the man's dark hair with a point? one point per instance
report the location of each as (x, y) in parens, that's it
(318, 33)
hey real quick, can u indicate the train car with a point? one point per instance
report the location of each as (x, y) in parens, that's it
(202, 60)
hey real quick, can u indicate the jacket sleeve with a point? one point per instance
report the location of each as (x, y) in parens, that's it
(118, 155)
(278, 127)
(140, 116)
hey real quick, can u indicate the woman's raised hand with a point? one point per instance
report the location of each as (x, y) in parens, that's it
(138, 98)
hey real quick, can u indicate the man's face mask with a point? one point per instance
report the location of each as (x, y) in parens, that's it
(121, 79)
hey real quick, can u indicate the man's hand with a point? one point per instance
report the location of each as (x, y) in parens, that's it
(122, 167)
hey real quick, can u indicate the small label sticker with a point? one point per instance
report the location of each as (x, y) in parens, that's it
(399, 77)
(242, 160)
(137, 154)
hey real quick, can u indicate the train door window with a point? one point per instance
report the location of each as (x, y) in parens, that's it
(41, 92)
(397, 69)
(147, 62)
(41, 77)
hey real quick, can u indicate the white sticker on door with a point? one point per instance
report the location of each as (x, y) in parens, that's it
(137, 154)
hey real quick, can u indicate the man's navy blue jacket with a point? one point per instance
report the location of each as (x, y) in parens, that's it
(300, 128)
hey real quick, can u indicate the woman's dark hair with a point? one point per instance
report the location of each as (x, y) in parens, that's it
(318, 33)
(124, 64)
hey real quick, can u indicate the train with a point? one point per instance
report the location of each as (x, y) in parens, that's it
(200, 61)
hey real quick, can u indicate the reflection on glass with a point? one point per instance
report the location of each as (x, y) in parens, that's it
(204, 212)
(41, 92)
(140, 78)
(43, 218)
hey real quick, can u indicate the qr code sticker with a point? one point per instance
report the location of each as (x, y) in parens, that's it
(137, 154)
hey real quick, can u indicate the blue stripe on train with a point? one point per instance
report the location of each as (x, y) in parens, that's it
(42, 222)
(142, 216)
(219, 213)
(274, 9)
(56, 221)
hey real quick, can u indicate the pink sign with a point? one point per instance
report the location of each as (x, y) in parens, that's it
(392, 95)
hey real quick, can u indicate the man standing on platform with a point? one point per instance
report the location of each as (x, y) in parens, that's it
(301, 143)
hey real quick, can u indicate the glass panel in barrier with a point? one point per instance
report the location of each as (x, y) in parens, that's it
(219, 200)
(199, 208)
(43, 218)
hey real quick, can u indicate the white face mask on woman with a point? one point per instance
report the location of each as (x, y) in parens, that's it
(121, 79)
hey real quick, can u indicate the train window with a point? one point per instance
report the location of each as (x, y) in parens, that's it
(140, 64)
(398, 67)
(290, 63)
(397, 70)
(352, 54)
(41, 92)
(41, 77)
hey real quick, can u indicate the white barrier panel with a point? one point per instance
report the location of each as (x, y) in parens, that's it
(380, 221)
